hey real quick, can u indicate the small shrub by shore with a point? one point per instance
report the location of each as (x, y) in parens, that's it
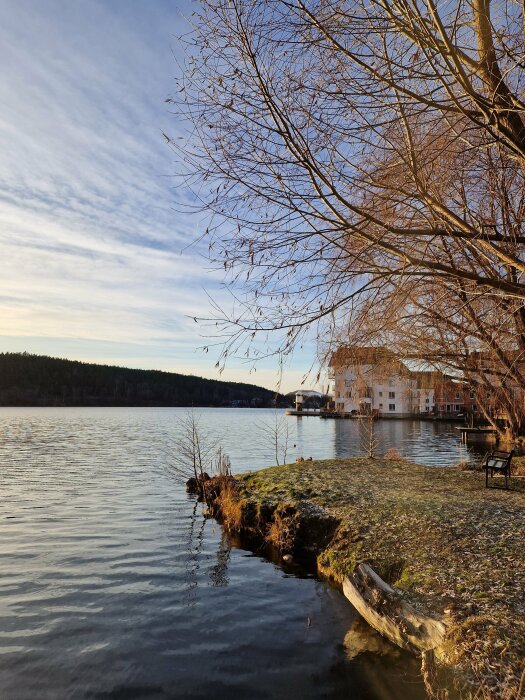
(393, 454)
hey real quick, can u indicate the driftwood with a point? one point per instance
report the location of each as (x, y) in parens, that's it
(384, 610)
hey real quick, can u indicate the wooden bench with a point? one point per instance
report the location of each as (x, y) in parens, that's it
(498, 462)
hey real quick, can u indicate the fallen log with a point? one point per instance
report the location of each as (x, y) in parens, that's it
(384, 610)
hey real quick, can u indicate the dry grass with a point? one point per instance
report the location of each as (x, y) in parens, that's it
(231, 503)
(518, 466)
(505, 692)
(393, 454)
(465, 466)
(452, 546)
(282, 530)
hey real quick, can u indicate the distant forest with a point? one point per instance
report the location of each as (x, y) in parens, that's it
(36, 380)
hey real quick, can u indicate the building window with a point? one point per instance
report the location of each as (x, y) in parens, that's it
(391, 394)
(380, 405)
(380, 393)
(448, 408)
(427, 401)
(391, 407)
(471, 394)
(458, 395)
(457, 407)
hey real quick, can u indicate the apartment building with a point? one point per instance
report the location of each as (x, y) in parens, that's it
(371, 380)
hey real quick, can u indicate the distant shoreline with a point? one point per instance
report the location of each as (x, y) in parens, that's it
(41, 381)
(186, 406)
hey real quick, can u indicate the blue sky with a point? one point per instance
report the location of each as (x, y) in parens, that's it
(94, 263)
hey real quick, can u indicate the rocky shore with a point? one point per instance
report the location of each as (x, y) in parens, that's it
(435, 560)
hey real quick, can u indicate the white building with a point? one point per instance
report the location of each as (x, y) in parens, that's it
(372, 380)
(425, 396)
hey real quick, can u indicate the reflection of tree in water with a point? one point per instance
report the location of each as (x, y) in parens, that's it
(219, 572)
(194, 544)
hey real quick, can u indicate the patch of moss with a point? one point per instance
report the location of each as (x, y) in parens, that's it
(408, 581)
(338, 563)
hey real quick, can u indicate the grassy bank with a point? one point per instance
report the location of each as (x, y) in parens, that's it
(455, 549)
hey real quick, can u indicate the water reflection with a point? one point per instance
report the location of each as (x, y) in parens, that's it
(193, 542)
(426, 442)
(219, 572)
(362, 639)
(364, 665)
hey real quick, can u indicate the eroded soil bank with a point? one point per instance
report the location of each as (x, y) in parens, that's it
(454, 550)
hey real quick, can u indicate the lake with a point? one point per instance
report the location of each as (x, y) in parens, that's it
(113, 585)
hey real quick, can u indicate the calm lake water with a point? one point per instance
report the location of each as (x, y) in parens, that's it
(113, 586)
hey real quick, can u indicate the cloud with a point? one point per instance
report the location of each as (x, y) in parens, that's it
(92, 252)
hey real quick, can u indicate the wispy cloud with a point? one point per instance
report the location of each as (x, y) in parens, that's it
(93, 258)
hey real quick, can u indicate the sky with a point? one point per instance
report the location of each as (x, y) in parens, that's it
(96, 261)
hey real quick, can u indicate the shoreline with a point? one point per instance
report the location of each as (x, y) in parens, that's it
(449, 552)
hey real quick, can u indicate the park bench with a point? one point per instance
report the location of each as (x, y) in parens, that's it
(498, 462)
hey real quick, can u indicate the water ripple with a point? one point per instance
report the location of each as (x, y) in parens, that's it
(112, 585)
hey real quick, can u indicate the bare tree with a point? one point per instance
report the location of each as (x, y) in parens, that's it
(276, 432)
(366, 157)
(193, 450)
(323, 136)
(367, 436)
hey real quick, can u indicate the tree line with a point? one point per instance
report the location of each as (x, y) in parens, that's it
(35, 380)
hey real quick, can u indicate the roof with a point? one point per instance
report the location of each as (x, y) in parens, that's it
(351, 355)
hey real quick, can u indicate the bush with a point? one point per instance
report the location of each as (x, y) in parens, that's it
(392, 454)
(517, 466)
